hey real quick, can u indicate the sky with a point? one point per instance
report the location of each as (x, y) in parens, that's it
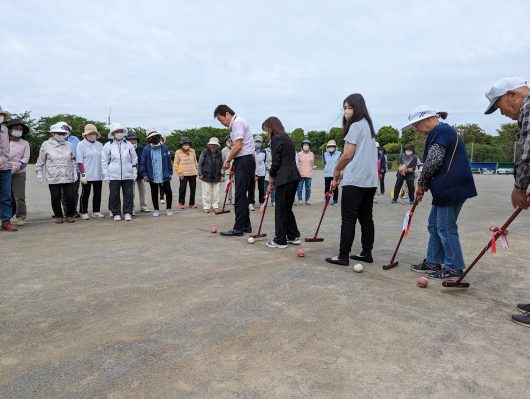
(168, 64)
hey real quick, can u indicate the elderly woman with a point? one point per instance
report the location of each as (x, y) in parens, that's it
(6, 210)
(211, 174)
(57, 156)
(19, 157)
(447, 174)
(119, 166)
(89, 162)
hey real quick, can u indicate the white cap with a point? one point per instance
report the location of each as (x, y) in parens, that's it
(257, 137)
(214, 141)
(420, 113)
(500, 88)
(59, 128)
(116, 126)
(66, 124)
(377, 144)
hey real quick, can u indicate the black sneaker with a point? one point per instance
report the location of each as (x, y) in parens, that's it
(425, 267)
(363, 257)
(522, 319)
(231, 232)
(523, 307)
(444, 273)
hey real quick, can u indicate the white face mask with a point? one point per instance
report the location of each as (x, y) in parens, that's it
(305, 147)
(16, 133)
(91, 137)
(186, 147)
(348, 113)
(331, 150)
(59, 137)
(118, 136)
(408, 153)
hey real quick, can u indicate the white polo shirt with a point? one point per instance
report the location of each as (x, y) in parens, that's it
(239, 129)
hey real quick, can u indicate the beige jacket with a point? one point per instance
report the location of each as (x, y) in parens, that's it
(59, 160)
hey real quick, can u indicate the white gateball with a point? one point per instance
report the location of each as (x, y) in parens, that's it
(251, 240)
(358, 268)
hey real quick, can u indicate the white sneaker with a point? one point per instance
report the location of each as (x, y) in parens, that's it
(98, 215)
(84, 216)
(295, 241)
(128, 217)
(145, 210)
(308, 203)
(156, 213)
(117, 218)
(272, 244)
(134, 213)
(251, 207)
(110, 214)
(300, 203)
(169, 212)
(162, 201)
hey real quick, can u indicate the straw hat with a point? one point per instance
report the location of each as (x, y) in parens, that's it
(152, 132)
(331, 143)
(90, 128)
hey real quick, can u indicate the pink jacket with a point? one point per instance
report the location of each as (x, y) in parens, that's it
(4, 149)
(19, 156)
(305, 162)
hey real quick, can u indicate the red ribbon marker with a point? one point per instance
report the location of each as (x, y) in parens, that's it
(498, 233)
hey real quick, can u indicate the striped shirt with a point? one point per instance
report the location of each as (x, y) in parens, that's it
(522, 172)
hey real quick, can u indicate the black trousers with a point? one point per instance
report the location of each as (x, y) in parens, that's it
(85, 194)
(284, 220)
(382, 183)
(244, 169)
(261, 190)
(57, 193)
(399, 184)
(164, 188)
(356, 204)
(327, 185)
(76, 194)
(192, 181)
(115, 186)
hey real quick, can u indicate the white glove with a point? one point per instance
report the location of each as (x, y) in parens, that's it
(76, 177)
(83, 179)
(135, 173)
(39, 178)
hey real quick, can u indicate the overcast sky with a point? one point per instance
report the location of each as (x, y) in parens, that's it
(167, 64)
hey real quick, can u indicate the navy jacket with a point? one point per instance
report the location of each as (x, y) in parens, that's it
(146, 163)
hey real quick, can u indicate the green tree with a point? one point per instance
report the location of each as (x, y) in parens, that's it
(486, 152)
(473, 133)
(409, 136)
(297, 135)
(198, 136)
(77, 122)
(387, 134)
(506, 138)
(335, 133)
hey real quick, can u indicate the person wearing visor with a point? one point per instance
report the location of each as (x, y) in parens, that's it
(119, 166)
(6, 210)
(56, 155)
(511, 96)
(19, 156)
(156, 169)
(447, 174)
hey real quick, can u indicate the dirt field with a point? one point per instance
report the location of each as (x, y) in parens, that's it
(162, 308)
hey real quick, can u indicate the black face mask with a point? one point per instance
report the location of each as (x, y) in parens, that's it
(154, 140)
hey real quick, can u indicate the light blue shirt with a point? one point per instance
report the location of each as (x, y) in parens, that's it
(74, 141)
(156, 160)
(362, 170)
(331, 161)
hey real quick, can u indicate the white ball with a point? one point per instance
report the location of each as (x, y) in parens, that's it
(251, 240)
(358, 268)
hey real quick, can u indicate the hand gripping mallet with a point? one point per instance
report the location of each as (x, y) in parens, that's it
(259, 234)
(328, 196)
(497, 233)
(393, 263)
(227, 189)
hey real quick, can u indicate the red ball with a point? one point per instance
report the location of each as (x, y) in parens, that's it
(300, 253)
(422, 282)
(213, 230)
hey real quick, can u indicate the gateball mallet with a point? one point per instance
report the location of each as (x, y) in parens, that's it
(227, 189)
(259, 234)
(315, 238)
(393, 262)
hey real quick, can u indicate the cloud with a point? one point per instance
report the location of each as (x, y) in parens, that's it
(168, 64)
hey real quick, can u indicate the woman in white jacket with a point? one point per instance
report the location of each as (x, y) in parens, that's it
(119, 166)
(57, 156)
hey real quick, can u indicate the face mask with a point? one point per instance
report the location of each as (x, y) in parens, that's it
(16, 133)
(380, 152)
(186, 147)
(135, 145)
(91, 137)
(348, 113)
(408, 153)
(305, 147)
(118, 136)
(331, 150)
(59, 137)
(258, 145)
(228, 145)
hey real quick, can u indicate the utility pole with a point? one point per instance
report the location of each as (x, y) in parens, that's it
(110, 111)
(514, 150)
(472, 148)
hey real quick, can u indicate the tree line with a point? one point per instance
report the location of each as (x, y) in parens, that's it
(486, 148)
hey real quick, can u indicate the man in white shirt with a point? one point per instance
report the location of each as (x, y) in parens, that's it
(242, 153)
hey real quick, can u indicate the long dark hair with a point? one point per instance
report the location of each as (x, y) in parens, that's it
(274, 124)
(360, 111)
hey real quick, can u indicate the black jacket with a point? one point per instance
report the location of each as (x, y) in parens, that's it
(283, 168)
(210, 166)
(139, 150)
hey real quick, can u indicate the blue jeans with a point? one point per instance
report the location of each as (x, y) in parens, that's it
(444, 242)
(273, 192)
(307, 182)
(6, 211)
